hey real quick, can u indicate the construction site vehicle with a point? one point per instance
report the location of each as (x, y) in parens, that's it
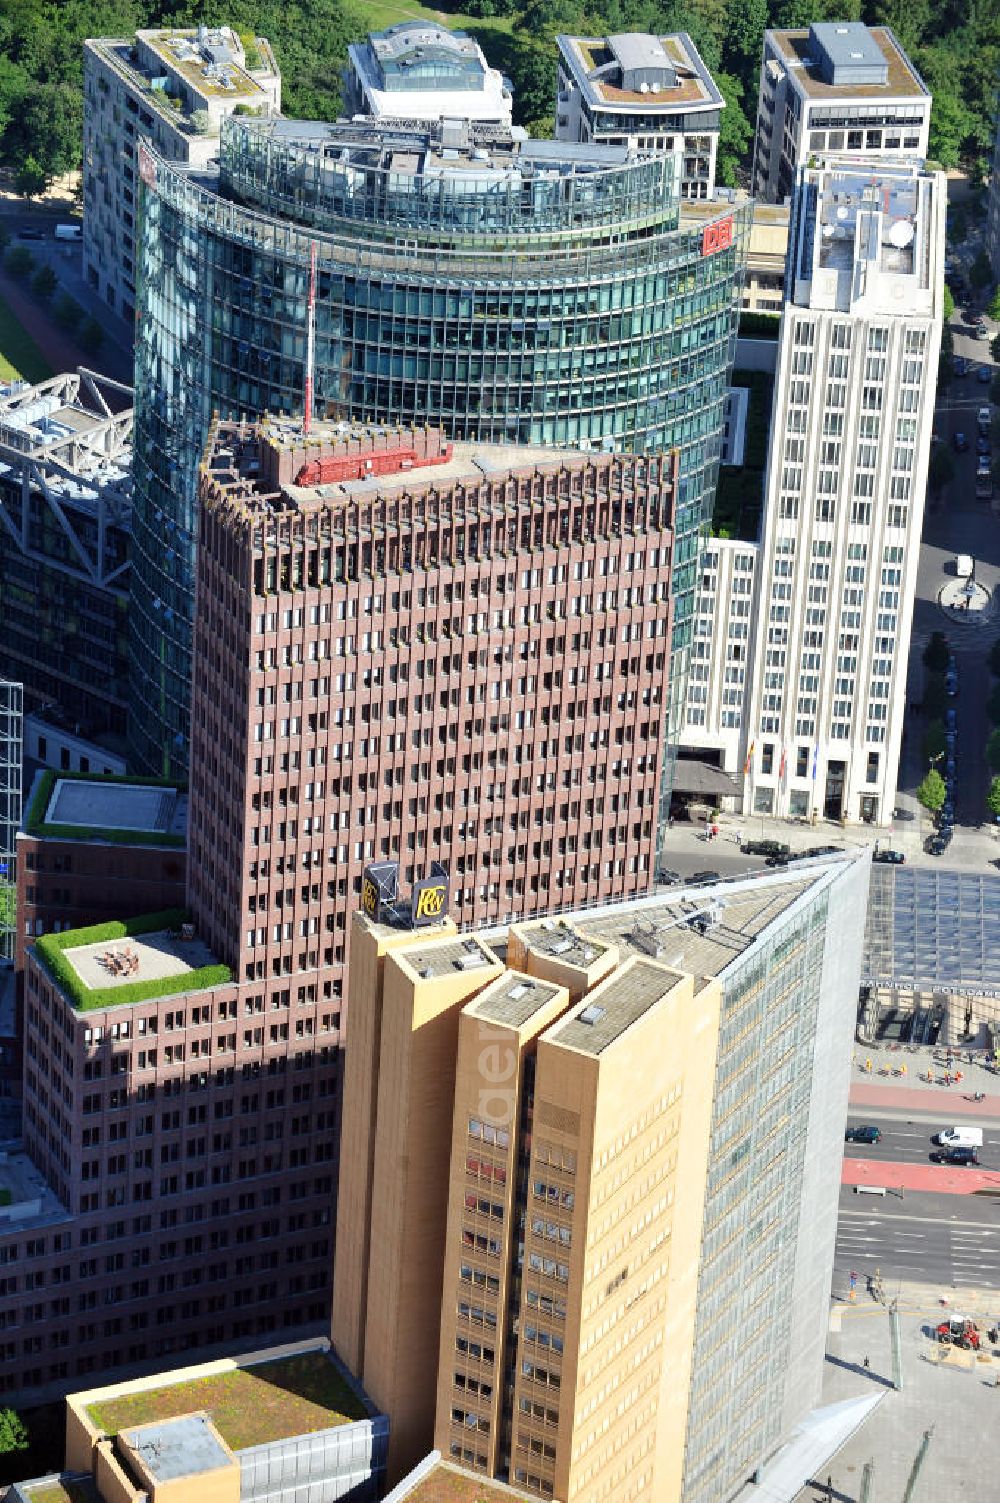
(960, 1330)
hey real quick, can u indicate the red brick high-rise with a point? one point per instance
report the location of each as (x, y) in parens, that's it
(403, 649)
(412, 650)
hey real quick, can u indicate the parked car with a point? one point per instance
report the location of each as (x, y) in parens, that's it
(765, 848)
(29, 232)
(951, 718)
(951, 681)
(983, 446)
(863, 1135)
(983, 417)
(984, 375)
(705, 877)
(959, 442)
(889, 858)
(939, 842)
(960, 366)
(664, 874)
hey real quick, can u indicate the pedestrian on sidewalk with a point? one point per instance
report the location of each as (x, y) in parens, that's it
(867, 1363)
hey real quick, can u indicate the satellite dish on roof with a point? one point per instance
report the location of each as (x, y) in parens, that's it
(900, 233)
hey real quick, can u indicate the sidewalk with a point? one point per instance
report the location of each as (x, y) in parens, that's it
(920, 1099)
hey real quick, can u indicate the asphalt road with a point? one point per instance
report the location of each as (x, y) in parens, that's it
(930, 1239)
(926, 1238)
(909, 1141)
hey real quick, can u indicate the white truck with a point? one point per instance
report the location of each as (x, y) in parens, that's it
(69, 232)
(960, 1137)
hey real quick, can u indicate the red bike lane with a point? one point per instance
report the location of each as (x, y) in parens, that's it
(939, 1179)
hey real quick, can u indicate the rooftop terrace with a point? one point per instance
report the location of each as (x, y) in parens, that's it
(59, 1489)
(662, 74)
(803, 57)
(249, 1406)
(108, 965)
(441, 1482)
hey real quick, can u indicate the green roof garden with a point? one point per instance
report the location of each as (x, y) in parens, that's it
(115, 808)
(116, 963)
(449, 1483)
(63, 1489)
(249, 1406)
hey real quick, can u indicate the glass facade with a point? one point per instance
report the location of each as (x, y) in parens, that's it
(515, 292)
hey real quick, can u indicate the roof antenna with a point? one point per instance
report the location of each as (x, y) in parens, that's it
(310, 342)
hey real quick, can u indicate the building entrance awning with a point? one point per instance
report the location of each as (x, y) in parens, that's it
(702, 778)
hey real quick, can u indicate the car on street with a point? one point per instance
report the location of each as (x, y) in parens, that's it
(959, 442)
(951, 718)
(983, 446)
(939, 842)
(705, 877)
(664, 874)
(967, 1156)
(888, 857)
(949, 769)
(863, 1135)
(984, 375)
(960, 366)
(983, 417)
(951, 681)
(29, 232)
(765, 848)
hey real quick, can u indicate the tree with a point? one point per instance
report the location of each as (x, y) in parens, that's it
(993, 797)
(67, 312)
(44, 283)
(932, 791)
(746, 20)
(981, 272)
(993, 306)
(19, 262)
(995, 390)
(936, 654)
(941, 468)
(31, 180)
(995, 348)
(993, 751)
(934, 743)
(91, 336)
(935, 697)
(13, 1432)
(735, 131)
(948, 304)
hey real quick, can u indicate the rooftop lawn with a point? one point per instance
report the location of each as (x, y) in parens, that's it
(51, 948)
(448, 1485)
(62, 1490)
(249, 1406)
(379, 14)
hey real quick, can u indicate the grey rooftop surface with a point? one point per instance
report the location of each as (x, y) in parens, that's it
(182, 1447)
(613, 1008)
(850, 44)
(513, 999)
(559, 941)
(95, 803)
(32, 1203)
(446, 958)
(700, 932)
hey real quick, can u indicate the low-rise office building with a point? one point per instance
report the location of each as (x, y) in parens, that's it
(417, 70)
(653, 91)
(172, 87)
(836, 88)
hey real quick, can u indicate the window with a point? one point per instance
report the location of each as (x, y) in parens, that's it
(767, 758)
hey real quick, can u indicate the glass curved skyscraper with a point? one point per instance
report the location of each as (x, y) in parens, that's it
(509, 290)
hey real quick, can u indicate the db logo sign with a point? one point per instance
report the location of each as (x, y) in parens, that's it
(369, 897)
(430, 903)
(717, 237)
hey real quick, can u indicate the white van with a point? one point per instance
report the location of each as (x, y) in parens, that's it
(963, 565)
(69, 232)
(960, 1137)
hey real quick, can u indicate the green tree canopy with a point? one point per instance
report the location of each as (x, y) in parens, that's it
(993, 751)
(948, 303)
(735, 130)
(936, 653)
(931, 792)
(934, 743)
(941, 468)
(13, 1432)
(993, 797)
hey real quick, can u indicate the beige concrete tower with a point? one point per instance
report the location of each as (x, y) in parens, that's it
(387, 1276)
